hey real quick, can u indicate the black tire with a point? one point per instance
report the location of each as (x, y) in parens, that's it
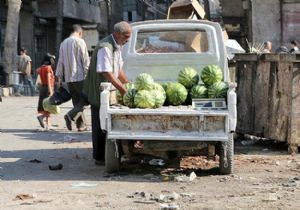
(226, 156)
(112, 162)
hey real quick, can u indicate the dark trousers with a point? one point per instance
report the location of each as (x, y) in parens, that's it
(78, 101)
(78, 108)
(98, 136)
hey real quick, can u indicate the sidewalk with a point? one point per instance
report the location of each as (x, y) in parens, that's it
(20, 112)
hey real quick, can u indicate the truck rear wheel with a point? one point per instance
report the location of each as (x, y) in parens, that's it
(112, 160)
(226, 156)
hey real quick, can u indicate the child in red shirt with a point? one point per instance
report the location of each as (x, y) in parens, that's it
(46, 89)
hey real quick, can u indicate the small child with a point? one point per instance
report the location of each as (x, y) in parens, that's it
(46, 89)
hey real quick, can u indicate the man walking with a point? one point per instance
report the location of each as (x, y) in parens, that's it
(24, 67)
(106, 66)
(72, 66)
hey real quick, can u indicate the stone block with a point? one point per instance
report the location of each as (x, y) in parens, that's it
(4, 91)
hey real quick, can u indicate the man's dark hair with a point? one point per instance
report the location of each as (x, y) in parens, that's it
(23, 50)
(48, 59)
(77, 28)
(294, 42)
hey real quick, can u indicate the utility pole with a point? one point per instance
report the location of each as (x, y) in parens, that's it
(155, 11)
(108, 12)
(59, 24)
(207, 9)
(144, 8)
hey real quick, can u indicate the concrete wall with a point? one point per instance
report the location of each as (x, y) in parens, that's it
(81, 10)
(266, 21)
(291, 22)
(90, 37)
(26, 32)
(232, 8)
(102, 27)
(116, 11)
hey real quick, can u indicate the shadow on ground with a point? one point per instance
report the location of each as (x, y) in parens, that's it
(57, 135)
(260, 147)
(78, 164)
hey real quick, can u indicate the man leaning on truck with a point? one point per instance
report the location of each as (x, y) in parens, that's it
(106, 66)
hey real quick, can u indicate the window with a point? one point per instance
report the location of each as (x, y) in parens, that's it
(129, 15)
(179, 41)
(40, 49)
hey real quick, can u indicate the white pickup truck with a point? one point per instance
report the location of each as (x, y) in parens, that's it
(162, 48)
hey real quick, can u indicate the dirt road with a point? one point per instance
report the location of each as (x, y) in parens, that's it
(265, 177)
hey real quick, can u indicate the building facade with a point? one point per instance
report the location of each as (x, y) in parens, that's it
(281, 24)
(277, 21)
(253, 21)
(138, 10)
(45, 23)
(3, 16)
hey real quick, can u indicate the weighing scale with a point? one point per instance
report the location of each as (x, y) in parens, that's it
(207, 104)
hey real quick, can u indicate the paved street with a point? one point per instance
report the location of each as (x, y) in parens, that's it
(266, 176)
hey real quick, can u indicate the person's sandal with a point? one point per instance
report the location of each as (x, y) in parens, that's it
(68, 122)
(41, 121)
(82, 129)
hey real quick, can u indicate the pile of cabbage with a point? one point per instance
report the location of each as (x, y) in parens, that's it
(146, 93)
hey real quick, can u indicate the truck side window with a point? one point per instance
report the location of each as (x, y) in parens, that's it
(171, 42)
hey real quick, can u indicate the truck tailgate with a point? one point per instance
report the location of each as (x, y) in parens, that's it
(167, 123)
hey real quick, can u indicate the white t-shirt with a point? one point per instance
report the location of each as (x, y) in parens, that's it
(105, 62)
(73, 59)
